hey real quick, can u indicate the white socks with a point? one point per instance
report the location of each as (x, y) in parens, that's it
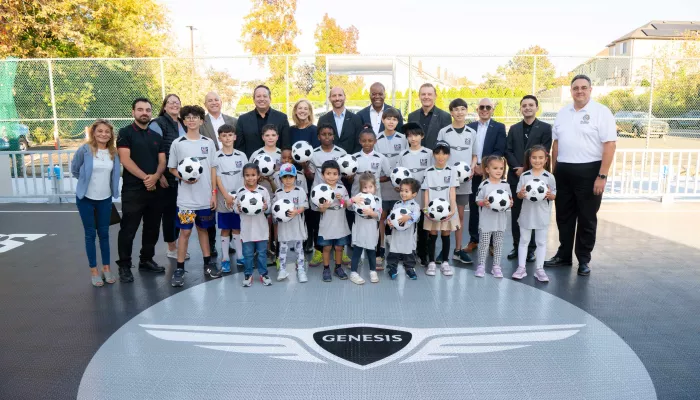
(224, 248)
(238, 246)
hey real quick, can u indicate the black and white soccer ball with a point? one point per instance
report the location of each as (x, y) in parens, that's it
(280, 208)
(266, 164)
(251, 202)
(439, 209)
(464, 171)
(321, 194)
(302, 151)
(399, 174)
(394, 216)
(368, 203)
(190, 169)
(536, 190)
(499, 200)
(348, 165)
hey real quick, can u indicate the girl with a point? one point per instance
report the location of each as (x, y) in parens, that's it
(365, 231)
(491, 222)
(254, 228)
(535, 214)
(440, 182)
(96, 166)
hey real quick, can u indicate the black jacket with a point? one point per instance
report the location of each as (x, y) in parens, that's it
(349, 139)
(170, 132)
(439, 120)
(366, 119)
(248, 137)
(540, 133)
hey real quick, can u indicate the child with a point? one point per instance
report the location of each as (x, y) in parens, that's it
(535, 215)
(286, 158)
(195, 200)
(254, 228)
(461, 139)
(440, 182)
(292, 232)
(403, 242)
(491, 222)
(229, 177)
(417, 159)
(365, 232)
(333, 228)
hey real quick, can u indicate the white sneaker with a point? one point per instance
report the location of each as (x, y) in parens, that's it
(541, 275)
(496, 271)
(282, 275)
(356, 278)
(446, 269)
(173, 254)
(480, 270)
(373, 276)
(301, 275)
(431, 269)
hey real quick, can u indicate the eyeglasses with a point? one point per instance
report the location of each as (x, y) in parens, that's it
(173, 103)
(485, 108)
(191, 118)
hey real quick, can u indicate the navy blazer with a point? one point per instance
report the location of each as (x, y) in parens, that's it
(364, 116)
(349, 138)
(495, 140)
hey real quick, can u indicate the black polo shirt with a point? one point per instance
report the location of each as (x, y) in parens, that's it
(526, 130)
(145, 145)
(424, 120)
(262, 121)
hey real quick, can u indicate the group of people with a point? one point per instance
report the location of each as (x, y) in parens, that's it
(572, 157)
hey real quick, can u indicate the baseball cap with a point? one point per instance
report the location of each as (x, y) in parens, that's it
(288, 170)
(443, 144)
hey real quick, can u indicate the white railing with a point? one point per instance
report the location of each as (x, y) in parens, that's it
(634, 174)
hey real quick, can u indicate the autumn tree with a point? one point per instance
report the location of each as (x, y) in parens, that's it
(517, 74)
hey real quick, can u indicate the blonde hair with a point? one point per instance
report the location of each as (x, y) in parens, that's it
(92, 142)
(367, 178)
(296, 119)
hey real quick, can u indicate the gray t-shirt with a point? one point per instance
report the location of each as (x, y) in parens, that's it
(404, 242)
(461, 149)
(319, 157)
(254, 228)
(333, 224)
(417, 161)
(195, 196)
(536, 214)
(229, 168)
(365, 231)
(490, 220)
(373, 162)
(391, 148)
(294, 229)
(438, 183)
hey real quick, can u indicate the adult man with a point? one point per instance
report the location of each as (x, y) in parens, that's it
(584, 145)
(249, 126)
(522, 136)
(215, 118)
(346, 125)
(142, 153)
(372, 114)
(490, 140)
(430, 118)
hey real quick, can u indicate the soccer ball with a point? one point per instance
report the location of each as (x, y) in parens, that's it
(348, 165)
(251, 203)
(280, 208)
(301, 151)
(266, 164)
(399, 174)
(368, 201)
(499, 200)
(394, 216)
(190, 169)
(439, 209)
(536, 190)
(232, 194)
(321, 194)
(464, 172)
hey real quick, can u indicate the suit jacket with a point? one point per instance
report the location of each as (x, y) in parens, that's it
(207, 128)
(364, 115)
(541, 133)
(439, 120)
(349, 139)
(495, 140)
(248, 137)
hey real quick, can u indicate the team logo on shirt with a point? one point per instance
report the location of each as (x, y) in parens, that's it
(239, 164)
(586, 119)
(397, 146)
(295, 200)
(467, 141)
(375, 165)
(205, 150)
(447, 179)
(423, 162)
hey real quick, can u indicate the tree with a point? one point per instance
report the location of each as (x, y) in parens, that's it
(517, 74)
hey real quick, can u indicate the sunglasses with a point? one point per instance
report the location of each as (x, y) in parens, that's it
(486, 108)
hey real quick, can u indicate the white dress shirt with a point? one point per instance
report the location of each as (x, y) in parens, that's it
(481, 129)
(216, 124)
(339, 121)
(376, 119)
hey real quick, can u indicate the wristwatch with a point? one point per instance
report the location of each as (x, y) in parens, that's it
(601, 176)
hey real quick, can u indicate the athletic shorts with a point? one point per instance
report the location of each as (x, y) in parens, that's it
(462, 199)
(229, 221)
(186, 219)
(343, 241)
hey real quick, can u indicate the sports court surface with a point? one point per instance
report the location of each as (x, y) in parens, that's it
(629, 331)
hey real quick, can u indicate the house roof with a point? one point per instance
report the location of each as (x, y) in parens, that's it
(662, 30)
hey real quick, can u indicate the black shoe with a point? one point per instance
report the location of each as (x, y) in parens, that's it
(150, 266)
(557, 261)
(211, 270)
(212, 251)
(125, 275)
(530, 256)
(513, 254)
(411, 273)
(583, 269)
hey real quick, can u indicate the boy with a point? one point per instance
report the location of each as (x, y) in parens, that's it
(229, 177)
(333, 228)
(461, 139)
(286, 158)
(269, 136)
(402, 244)
(293, 232)
(417, 159)
(195, 200)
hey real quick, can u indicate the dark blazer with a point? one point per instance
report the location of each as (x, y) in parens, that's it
(364, 115)
(541, 133)
(207, 128)
(495, 140)
(248, 137)
(349, 139)
(439, 120)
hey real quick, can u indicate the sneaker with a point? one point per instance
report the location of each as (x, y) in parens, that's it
(411, 273)
(541, 275)
(226, 266)
(346, 259)
(446, 269)
(316, 259)
(356, 278)
(496, 272)
(282, 275)
(520, 273)
(212, 270)
(480, 271)
(373, 276)
(239, 263)
(380, 263)
(340, 273)
(266, 281)
(431, 269)
(392, 273)
(173, 255)
(301, 275)
(178, 278)
(248, 281)
(327, 275)
(462, 256)
(125, 275)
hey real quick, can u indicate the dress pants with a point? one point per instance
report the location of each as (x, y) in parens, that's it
(473, 212)
(138, 205)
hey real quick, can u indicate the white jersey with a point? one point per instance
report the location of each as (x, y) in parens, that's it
(391, 147)
(254, 228)
(461, 149)
(536, 214)
(333, 224)
(294, 229)
(195, 196)
(490, 220)
(276, 155)
(438, 182)
(318, 157)
(229, 168)
(404, 242)
(418, 162)
(365, 231)
(372, 162)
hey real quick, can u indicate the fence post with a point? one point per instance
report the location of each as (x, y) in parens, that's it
(162, 80)
(286, 83)
(410, 83)
(534, 75)
(651, 101)
(57, 140)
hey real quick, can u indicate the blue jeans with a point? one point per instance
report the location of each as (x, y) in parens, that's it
(249, 249)
(88, 208)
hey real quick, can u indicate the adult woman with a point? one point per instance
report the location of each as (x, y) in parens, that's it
(96, 166)
(303, 128)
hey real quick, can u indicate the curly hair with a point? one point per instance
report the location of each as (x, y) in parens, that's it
(92, 141)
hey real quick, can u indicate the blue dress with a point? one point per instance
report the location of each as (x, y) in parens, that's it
(308, 134)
